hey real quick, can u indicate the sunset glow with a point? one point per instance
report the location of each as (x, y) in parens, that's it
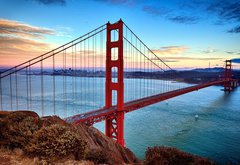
(181, 33)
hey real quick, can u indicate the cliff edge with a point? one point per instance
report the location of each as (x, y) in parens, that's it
(52, 140)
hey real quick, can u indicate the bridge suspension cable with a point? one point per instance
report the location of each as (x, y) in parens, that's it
(54, 52)
(149, 49)
(62, 81)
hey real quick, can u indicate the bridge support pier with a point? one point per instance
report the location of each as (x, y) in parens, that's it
(114, 127)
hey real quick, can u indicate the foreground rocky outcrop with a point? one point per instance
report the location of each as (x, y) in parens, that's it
(51, 140)
(25, 138)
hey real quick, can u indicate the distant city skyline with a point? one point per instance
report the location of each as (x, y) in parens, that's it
(191, 33)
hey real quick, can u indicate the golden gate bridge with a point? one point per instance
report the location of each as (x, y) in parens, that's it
(97, 77)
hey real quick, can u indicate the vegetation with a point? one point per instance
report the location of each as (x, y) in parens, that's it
(27, 139)
(55, 142)
(16, 129)
(98, 157)
(166, 155)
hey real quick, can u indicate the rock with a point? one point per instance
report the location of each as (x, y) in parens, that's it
(99, 144)
(26, 131)
(49, 120)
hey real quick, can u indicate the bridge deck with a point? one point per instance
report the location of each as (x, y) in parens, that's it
(101, 114)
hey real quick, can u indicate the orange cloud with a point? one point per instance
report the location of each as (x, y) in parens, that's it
(168, 50)
(12, 44)
(14, 28)
(20, 42)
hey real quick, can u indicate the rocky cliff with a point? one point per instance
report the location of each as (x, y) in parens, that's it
(50, 139)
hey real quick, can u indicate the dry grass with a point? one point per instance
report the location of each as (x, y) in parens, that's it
(15, 157)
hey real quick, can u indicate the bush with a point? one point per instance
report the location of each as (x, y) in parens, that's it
(166, 155)
(16, 129)
(98, 157)
(56, 141)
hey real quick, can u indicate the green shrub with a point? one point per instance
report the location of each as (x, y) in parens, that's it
(56, 141)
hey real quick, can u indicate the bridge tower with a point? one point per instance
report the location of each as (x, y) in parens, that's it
(114, 127)
(228, 76)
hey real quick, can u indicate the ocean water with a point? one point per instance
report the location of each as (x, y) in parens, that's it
(214, 135)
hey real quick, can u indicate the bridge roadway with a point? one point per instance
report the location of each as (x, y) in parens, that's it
(99, 115)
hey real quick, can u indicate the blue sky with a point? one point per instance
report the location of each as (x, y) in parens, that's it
(190, 31)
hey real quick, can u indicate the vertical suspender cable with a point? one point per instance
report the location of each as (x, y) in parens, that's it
(84, 70)
(1, 93)
(54, 87)
(88, 77)
(30, 85)
(63, 72)
(42, 86)
(27, 88)
(72, 75)
(11, 92)
(64, 84)
(93, 67)
(16, 85)
(75, 77)
(101, 63)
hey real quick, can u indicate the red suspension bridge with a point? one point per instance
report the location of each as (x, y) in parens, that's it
(109, 69)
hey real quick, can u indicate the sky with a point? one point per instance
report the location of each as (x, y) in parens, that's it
(185, 34)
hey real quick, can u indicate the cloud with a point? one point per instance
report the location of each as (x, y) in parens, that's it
(233, 52)
(15, 50)
(120, 2)
(235, 30)
(11, 44)
(228, 10)
(152, 10)
(209, 50)
(168, 50)
(167, 60)
(14, 28)
(230, 52)
(184, 19)
(52, 2)
(20, 42)
(222, 12)
(236, 60)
